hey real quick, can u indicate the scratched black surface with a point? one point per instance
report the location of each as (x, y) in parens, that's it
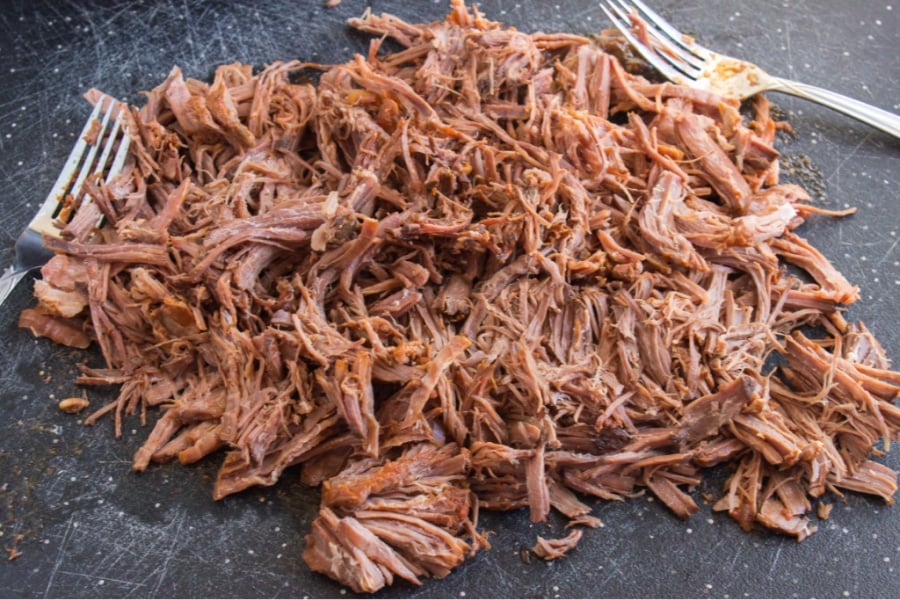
(86, 526)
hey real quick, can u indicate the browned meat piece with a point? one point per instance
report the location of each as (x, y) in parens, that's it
(418, 466)
(585, 521)
(64, 273)
(553, 549)
(65, 303)
(861, 347)
(742, 489)
(674, 498)
(349, 387)
(68, 332)
(410, 524)
(705, 416)
(657, 221)
(723, 174)
(223, 109)
(870, 478)
(798, 251)
(776, 515)
(785, 505)
(563, 500)
(489, 270)
(345, 550)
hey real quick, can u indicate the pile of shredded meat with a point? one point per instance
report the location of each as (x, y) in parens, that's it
(488, 270)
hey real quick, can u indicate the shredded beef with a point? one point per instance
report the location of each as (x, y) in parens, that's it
(491, 269)
(553, 549)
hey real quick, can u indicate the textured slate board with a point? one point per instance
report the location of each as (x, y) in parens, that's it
(88, 527)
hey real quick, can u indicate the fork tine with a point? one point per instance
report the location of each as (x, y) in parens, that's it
(657, 52)
(81, 163)
(68, 171)
(671, 31)
(110, 142)
(121, 155)
(673, 50)
(655, 60)
(88, 168)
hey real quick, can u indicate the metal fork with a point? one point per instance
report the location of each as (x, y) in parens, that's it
(91, 155)
(683, 61)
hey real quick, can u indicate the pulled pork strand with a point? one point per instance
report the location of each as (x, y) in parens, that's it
(489, 270)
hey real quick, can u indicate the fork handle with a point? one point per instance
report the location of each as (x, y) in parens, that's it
(871, 115)
(30, 250)
(8, 282)
(30, 254)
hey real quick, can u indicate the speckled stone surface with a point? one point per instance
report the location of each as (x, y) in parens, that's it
(86, 526)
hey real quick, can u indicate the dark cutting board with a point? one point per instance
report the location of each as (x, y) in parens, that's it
(87, 526)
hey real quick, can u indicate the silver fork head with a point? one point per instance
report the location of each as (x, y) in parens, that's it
(682, 60)
(670, 52)
(103, 133)
(92, 156)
